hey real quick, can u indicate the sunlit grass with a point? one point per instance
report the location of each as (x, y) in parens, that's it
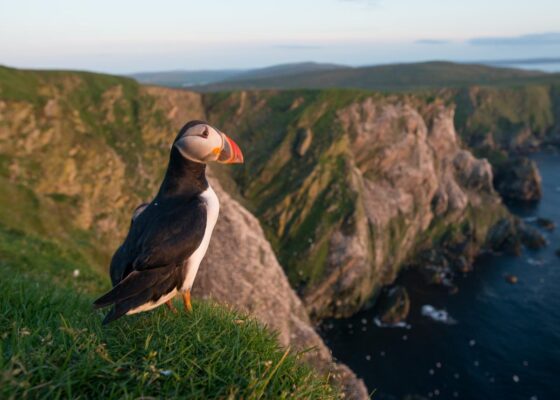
(53, 344)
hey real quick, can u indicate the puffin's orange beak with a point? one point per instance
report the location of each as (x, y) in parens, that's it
(231, 153)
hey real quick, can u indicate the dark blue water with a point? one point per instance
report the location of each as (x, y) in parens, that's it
(505, 344)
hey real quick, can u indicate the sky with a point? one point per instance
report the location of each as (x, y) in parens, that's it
(123, 36)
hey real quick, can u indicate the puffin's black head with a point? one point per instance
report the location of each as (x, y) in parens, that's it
(199, 142)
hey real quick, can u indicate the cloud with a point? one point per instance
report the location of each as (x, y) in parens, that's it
(366, 2)
(539, 39)
(297, 47)
(431, 41)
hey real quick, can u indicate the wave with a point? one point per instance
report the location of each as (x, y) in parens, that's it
(437, 315)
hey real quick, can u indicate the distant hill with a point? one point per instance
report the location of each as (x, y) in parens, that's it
(185, 78)
(394, 77)
(181, 78)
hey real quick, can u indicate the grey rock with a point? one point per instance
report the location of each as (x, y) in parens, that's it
(519, 179)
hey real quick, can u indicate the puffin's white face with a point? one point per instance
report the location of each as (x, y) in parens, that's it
(203, 143)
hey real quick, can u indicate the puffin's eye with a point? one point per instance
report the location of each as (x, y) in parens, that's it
(205, 133)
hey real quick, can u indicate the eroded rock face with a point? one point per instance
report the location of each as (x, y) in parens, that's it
(241, 269)
(412, 180)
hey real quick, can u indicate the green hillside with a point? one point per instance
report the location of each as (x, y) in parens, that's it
(77, 152)
(393, 77)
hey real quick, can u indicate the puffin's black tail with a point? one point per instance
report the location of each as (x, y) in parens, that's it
(138, 288)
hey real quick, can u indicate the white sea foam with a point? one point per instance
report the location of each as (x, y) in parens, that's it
(437, 315)
(535, 261)
(380, 324)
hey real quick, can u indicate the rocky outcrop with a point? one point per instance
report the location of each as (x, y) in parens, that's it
(241, 269)
(393, 305)
(519, 179)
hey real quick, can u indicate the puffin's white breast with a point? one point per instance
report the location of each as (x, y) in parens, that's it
(212, 211)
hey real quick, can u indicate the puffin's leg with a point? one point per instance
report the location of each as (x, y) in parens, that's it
(171, 307)
(187, 300)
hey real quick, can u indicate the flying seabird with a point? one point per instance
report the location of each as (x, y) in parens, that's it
(168, 237)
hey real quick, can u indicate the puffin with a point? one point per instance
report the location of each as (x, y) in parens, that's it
(168, 237)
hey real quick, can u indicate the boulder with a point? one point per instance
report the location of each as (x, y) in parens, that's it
(393, 305)
(546, 223)
(531, 237)
(511, 279)
(519, 179)
(503, 237)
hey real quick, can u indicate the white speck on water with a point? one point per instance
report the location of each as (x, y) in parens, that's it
(364, 329)
(438, 364)
(476, 363)
(368, 357)
(456, 376)
(492, 380)
(364, 321)
(515, 378)
(350, 326)
(525, 363)
(472, 342)
(534, 398)
(76, 273)
(431, 371)
(455, 394)
(430, 394)
(405, 338)
(155, 204)
(436, 392)
(382, 354)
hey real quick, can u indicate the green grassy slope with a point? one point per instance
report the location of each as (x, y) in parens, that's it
(395, 77)
(53, 345)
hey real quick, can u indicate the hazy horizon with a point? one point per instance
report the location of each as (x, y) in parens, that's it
(127, 37)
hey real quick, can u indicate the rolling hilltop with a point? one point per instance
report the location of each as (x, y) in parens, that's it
(392, 77)
(196, 78)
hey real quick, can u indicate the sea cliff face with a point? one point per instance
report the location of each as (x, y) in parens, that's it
(383, 179)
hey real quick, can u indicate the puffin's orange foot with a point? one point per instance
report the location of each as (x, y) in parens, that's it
(171, 307)
(187, 301)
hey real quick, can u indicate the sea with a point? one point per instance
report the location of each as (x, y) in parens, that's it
(491, 340)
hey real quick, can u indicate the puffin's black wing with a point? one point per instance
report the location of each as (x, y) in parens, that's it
(119, 262)
(160, 240)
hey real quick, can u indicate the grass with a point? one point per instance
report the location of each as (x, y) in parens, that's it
(53, 344)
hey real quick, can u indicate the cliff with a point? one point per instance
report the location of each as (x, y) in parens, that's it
(349, 187)
(79, 151)
(384, 181)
